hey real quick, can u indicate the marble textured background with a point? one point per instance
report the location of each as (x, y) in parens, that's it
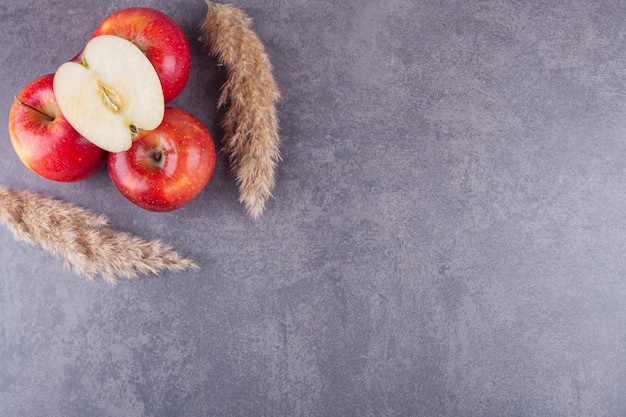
(446, 239)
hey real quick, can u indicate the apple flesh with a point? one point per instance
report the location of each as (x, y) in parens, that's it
(159, 38)
(167, 167)
(112, 94)
(44, 140)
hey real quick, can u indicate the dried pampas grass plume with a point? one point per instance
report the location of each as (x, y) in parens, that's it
(248, 96)
(82, 239)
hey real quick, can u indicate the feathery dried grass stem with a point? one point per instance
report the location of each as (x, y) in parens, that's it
(248, 96)
(82, 239)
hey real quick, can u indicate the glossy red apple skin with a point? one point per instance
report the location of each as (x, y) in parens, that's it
(166, 167)
(161, 40)
(44, 140)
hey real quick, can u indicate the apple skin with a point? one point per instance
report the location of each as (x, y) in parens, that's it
(166, 167)
(44, 140)
(160, 39)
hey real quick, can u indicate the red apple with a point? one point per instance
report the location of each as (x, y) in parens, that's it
(167, 167)
(44, 140)
(160, 39)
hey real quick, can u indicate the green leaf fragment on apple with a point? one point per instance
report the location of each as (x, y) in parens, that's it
(112, 94)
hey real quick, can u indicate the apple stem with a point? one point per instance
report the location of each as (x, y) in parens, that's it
(36, 110)
(157, 155)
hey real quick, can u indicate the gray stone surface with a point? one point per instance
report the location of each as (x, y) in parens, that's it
(446, 239)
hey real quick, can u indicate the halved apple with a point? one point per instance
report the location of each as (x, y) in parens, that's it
(111, 95)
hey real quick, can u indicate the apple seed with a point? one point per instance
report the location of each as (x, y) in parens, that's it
(110, 98)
